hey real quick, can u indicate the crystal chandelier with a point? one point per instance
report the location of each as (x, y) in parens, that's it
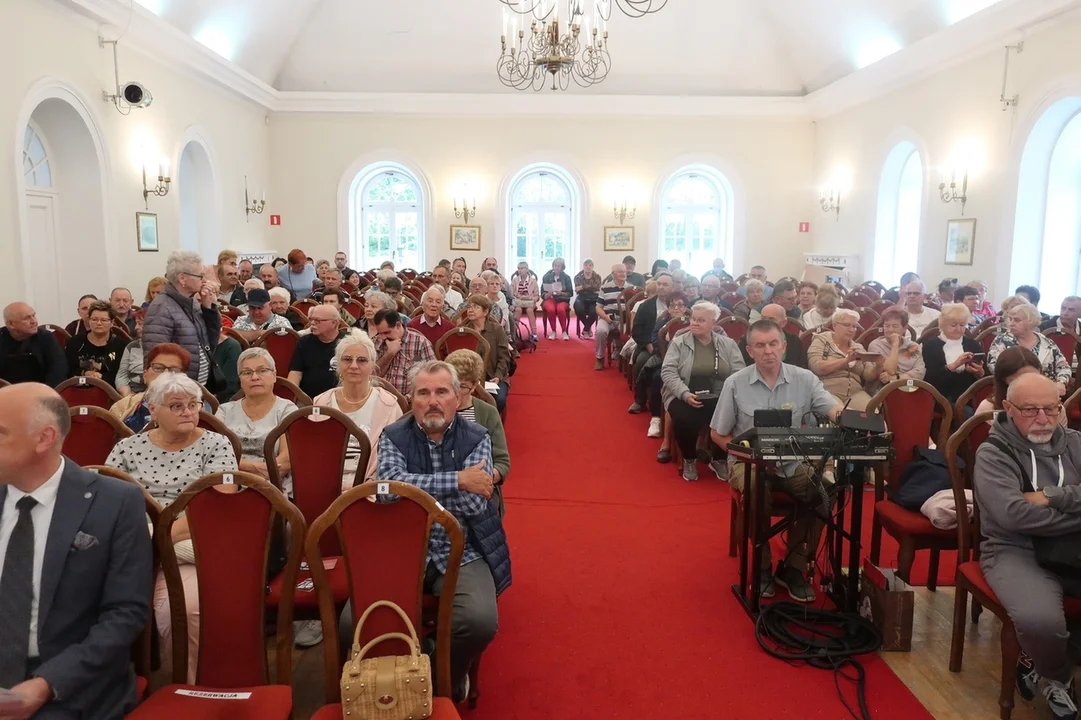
(630, 8)
(578, 51)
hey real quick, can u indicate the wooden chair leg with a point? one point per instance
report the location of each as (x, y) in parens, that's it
(474, 682)
(977, 609)
(957, 643)
(734, 526)
(1011, 651)
(906, 555)
(932, 570)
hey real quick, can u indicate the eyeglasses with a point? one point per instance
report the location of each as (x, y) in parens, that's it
(347, 360)
(256, 371)
(913, 294)
(1031, 412)
(159, 368)
(193, 407)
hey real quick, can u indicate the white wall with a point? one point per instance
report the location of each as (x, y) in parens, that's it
(768, 162)
(45, 40)
(955, 109)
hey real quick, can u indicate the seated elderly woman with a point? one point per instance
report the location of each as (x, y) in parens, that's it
(1013, 363)
(526, 294)
(826, 302)
(1022, 323)
(371, 408)
(494, 292)
(374, 301)
(808, 292)
(842, 363)
(257, 413)
(477, 316)
(587, 288)
(470, 368)
(132, 409)
(165, 461)
(903, 356)
(954, 361)
(751, 309)
(477, 286)
(557, 289)
(694, 370)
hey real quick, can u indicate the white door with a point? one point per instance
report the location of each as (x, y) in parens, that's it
(45, 296)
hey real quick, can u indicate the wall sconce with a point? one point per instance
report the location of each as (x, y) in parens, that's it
(159, 190)
(619, 208)
(468, 209)
(252, 206)
(831, 200)
(948, 188)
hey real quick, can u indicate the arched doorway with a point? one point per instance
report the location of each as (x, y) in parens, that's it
(197, 193)
(62, 205)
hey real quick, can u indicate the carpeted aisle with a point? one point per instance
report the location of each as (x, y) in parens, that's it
(621, 606)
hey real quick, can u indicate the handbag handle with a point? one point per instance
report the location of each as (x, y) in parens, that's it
(414, 650)
(401, 613)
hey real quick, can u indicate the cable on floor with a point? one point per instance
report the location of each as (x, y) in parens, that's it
(824, 639)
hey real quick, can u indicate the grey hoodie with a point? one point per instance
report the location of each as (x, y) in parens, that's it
(1006, 517)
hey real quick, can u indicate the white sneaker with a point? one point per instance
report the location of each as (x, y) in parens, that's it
(654, 428)
(566, 335)
(307, 633)
(551, 336)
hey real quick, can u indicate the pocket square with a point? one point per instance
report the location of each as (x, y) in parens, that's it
(83, 541)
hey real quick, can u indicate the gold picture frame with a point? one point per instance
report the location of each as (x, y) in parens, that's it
(618, 238)
(146, 231)
(960, 241)
(465, 238)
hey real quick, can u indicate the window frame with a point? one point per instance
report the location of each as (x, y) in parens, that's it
(361, 209)
(569, 210)
(722, 211)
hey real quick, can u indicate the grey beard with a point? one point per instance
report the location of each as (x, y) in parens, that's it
(1040, 438)
(433, 423)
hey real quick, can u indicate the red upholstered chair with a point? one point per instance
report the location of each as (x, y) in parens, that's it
(284, 389)
(407, 274)
(734, 327)
(317, 438)
(231, 311)
(209, 398)
(868, 317)
(970, 579)
(403, 402)
(62, 336)
(872, 286)
(232, 631)
(462, 338)
(1067, 343)
(869, 336)
(793, 327)
(987, 337)
(732, 298)
(280, 344)
(354, 308)
(882, 305)
(909, 415)
(304, 306)
(929, 333)
(244, 344)
(782, 505)
(88, 391)
(385, 546)
(979, 391)
(806, 337)
(93, 434)
(988, 323)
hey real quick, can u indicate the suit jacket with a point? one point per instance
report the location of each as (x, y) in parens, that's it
(93, 601)
(644, 321)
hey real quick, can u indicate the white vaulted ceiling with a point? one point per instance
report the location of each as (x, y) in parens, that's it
(711, 48)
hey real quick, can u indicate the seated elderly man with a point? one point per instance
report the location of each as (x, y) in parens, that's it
(1069, 318)
(332, 280)
(1027, 481)
(919, 316)
(786, 295)
(451, 460)
(231, 291)
(29, 353)
(260, 317)
(772, 383)
(270, 279)
(430, 323)
(398, 348)
(608, 311)
(794, 353)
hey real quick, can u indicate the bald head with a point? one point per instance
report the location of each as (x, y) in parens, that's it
(776, 313)
(1032, 389)
(1033, 405)
(20, 320)
(34, 421)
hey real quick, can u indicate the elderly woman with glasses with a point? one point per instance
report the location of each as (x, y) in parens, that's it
(902, 356)
(252, 417)
(954, 361)
(477, 316)
(842, 363)
(165, 461)
(374, 301)
(133, 410)
(825, 304)
(1022, 323)
(371, 408)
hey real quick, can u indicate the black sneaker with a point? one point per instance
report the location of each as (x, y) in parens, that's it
(1028, 679)
(1060, 698)
(793, 581)
(664, 455)
(766, 587)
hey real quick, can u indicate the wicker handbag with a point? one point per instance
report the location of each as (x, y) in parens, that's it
(393, 687)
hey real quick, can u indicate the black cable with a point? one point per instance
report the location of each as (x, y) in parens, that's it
(824, 639)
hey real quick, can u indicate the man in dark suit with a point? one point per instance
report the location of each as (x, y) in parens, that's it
(75, 571)
(645, 320)
(28, 352)
(794, 354)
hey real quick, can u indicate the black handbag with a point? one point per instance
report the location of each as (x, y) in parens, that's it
(1061, 554)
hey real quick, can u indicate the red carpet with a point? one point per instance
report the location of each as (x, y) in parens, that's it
(621, 605)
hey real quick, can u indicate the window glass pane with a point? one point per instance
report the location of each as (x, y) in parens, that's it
(909, 206)
(36, 151)
(692, 222)
(43, 177)
(542, 221)
(390, 223)
(691, 190)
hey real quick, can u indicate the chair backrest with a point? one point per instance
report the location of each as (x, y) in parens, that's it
(213, 424)
(481, 394)
(403, 401)
(209, 398)
(963, 444)
(909, 408)
(407, 273)
(806, 337)
(304, 306)
(743, 278)
(1067, 343)
(244, 344)
(385, 549)
(232, 584)
(1070, 407)
(977, 392)
(729, 286)
(868, 317)
(929, 333)
(462, 338)
(280, 344)
(882, 306)
(120, 332)
(88, 391)
(62, 336)
(231, 311)
(318, 438)
(734, 327)
(870, 336)
(284, 389)
(94, 432)
(987, 337)
(732, 298)
(354, 308)
(893, 295)
(987, 323)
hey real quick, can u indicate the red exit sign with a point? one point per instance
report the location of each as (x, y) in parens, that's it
(805, 227)
(275, 220)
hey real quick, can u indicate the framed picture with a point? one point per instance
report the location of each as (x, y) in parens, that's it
(960, 241)
(618, 238)
(465, 237)
(146, 229)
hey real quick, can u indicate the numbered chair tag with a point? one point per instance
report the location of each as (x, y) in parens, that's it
(82, 381)
(227, 479)
(439, 505)
(316, 410)
(84, 411)
(382, 488)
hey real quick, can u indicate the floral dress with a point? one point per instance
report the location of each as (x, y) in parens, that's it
(1052, 363)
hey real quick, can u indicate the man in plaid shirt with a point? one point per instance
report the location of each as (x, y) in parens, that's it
(398, 349)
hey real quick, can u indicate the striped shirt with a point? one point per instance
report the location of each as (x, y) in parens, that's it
(609, 297)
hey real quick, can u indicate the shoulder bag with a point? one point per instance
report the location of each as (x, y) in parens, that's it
(393, 687)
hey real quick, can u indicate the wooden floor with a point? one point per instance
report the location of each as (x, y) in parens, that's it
(971, 694)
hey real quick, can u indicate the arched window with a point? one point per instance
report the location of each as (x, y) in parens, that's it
(1047, 230)
(388, 212)
(696, 219)
(543, 207)
(900, 209)
(36, 168)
